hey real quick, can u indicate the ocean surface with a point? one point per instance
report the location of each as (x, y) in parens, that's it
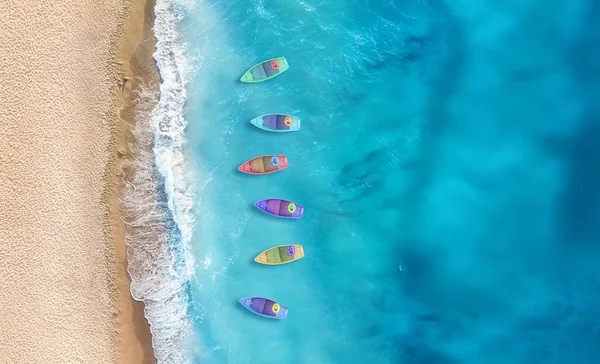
(448, 163)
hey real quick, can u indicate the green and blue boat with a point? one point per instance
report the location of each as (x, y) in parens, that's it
(265, 70)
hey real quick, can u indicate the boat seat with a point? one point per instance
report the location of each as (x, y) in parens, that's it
(259, 72)
(270, 71)
(270, 121)
(283, 209)
(268, 308)
(274, 256)
(273, 206)
(268, 166)
(281, 123)
(283, 254)
(257, 165)
(258, 304)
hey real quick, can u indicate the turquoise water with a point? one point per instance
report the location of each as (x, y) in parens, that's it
(447, 162)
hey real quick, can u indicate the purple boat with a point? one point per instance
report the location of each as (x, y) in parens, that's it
(265, 307)
(281, 208)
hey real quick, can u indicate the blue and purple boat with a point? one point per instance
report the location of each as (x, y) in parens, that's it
(265, 307)
(280, 208)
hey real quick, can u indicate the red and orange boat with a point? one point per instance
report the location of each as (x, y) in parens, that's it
(264, 164)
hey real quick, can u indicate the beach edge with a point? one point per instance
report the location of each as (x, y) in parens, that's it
(135, 68)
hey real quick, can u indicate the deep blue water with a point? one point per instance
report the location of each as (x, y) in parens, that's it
(448, 163)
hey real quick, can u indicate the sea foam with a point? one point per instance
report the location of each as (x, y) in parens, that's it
(160, 222)
(168, 122)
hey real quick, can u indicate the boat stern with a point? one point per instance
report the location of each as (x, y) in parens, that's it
(283, 161)
(283, 313)
(295, 124)
(299, 211)
(299, 251)
(283, 64)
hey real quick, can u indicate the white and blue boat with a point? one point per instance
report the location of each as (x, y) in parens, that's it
(278, 123)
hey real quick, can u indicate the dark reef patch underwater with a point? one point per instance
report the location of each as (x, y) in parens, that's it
(448, 162)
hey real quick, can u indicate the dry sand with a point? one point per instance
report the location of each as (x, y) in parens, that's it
(64, 291)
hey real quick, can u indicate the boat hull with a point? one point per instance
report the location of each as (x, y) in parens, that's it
(281, 254)
(265, 71)
(280, 208)
(276, 123)
(265, 307)
(264, 165)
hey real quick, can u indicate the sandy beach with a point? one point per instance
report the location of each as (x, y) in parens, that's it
(66, 72)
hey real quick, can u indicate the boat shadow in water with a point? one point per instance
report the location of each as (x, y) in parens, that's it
(237, 173)
(257, 265)
(240, 174)
(248, 126)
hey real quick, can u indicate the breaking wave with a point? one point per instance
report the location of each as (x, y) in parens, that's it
(158, 197)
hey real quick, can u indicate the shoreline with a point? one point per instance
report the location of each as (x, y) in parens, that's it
(150, 206)
(137, 69)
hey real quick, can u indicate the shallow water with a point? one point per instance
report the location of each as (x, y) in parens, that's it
(447, 163)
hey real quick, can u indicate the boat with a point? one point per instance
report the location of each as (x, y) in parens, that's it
(265, 307)
(265, 70)
(280, 208)
(278, 123)
(264, 164)
(281, 254)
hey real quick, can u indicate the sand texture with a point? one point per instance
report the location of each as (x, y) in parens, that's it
(59, 268)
